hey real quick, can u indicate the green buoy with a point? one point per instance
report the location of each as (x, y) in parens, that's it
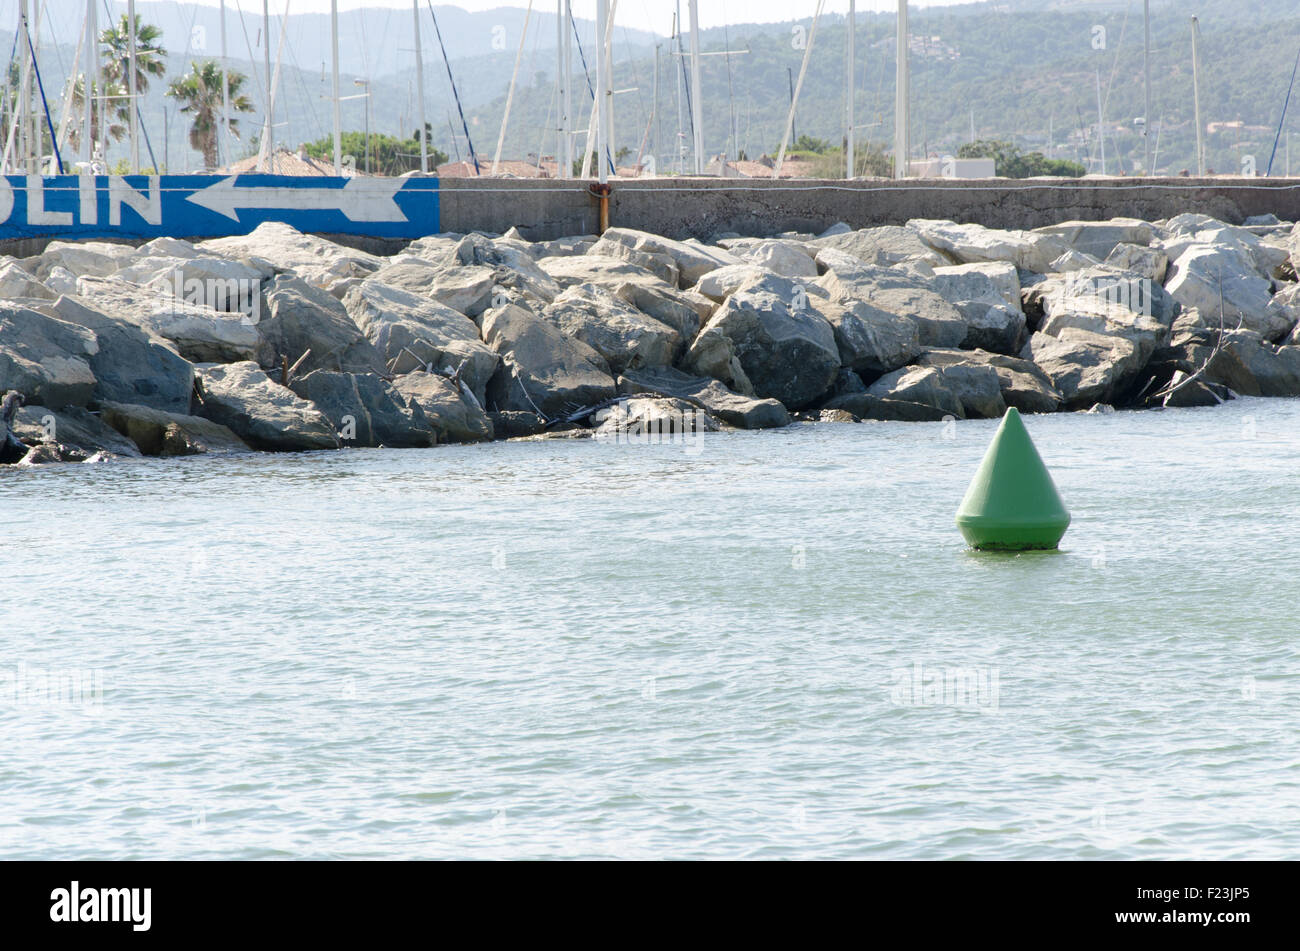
(1012, 503)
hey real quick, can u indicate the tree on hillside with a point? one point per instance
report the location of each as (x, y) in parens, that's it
(200, 94)
(1010, 162)
(389, 155)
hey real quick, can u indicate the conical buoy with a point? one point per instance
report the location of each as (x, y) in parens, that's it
(1012, 503)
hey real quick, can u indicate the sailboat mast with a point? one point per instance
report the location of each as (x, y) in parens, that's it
(225, 88)
(90, 58)
(268, 147)
(131, 87)
(901, 96)
(334, 85)
(25, 125)
(567, 170)
(419, 82)
(848, 91)
(1146, 87)
(697, 109)
(602, 127)
(1196, 96)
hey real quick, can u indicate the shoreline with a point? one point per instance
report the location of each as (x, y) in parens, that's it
(281, 341)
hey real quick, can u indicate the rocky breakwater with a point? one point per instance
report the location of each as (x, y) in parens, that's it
(279, 341)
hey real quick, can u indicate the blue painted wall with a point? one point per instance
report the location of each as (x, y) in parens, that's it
(209, 206)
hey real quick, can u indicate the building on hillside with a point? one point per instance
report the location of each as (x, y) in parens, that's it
(763, 167)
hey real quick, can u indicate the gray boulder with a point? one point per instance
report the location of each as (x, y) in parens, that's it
(787, 258)
(414, 333)
(452, 414)
(893, 291)
(299, 317)
(884, 246)
(468, 290)
(364, 409)
(542, 371)
(158, 433)
(1216, 279)
(129, 364)
(693, 260)
(732, 408)
(47, 360)
(198, 333)
(1022, 384)
(969, 244)
(264, 414)
(963, 390)
(74, 432)
(1147, 262)
(1085, 367)
(870, 406)
(784, 345)
(620, 333)
(1100, 238)
(316, 260)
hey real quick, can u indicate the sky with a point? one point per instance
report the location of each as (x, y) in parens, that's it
(653, 15)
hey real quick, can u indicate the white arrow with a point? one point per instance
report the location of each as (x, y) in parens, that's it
(361, 199)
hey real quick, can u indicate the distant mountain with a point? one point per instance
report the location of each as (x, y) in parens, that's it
(1022, 70)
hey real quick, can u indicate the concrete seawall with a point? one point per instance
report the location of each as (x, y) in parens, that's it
(701, 208)
(706, 207)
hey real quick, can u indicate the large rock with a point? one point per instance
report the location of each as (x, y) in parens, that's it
(468, 290)
(542, 370)
(82, 258)
(895, 291)
(1216, 279)
(651, 419)
(784, 345)
(693, 260)
(452, 414)
(1022, 384)
(130, 365)
(47, 360)
(74, 432)
(871, 341)
(662, 266)
(786, 258)
(988, 298)
(968, 244)
(16, 282)
(262, 413)
(976, 281)
(1150, 263)
(176, 269)
(512, 269)
(884, 246)
(620, 333)
(682, 310)
(302, 319)
(1100, 238)
(741, 411)
(159, 433)
(870, 406)
(964, 390)
(314, 259)
(1246, 364)
(1085, 367)
(1266, 258)
(414, 333)
(198, 333)
(364, 409)
(721, 283)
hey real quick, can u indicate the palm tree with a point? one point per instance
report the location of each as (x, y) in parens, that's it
(199, 92)
(149, 57)
(115, 93)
